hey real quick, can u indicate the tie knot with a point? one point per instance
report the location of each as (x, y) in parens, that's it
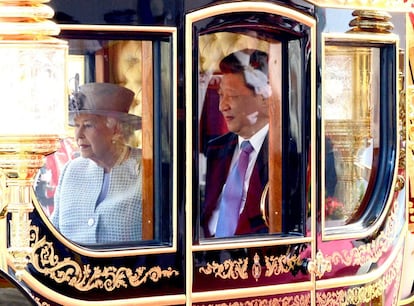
(246, 147)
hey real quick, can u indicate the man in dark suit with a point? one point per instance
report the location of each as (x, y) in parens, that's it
(244, 92)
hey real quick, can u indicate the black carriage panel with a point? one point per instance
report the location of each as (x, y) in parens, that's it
(108, 12)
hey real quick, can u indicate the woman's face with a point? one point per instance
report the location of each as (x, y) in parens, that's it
(245, 112)
(94, 137)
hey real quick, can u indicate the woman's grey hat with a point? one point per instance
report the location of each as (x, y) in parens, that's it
(105, 99)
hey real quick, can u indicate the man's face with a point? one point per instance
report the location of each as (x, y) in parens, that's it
(93, 136)
(244, 112)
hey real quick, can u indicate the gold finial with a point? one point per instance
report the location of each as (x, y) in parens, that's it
(371, 21)
(27, 18)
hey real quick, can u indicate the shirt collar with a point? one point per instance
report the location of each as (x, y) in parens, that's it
(257, 139)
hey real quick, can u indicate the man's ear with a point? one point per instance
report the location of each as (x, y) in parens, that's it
(265, 101)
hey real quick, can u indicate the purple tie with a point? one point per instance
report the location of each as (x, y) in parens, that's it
(232, 194)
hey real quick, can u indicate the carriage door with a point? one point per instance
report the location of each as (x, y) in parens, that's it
(265, 257)
(362, 204)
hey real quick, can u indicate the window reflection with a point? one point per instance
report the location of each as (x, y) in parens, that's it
(351, 114)
(239, 88)
(48, 176)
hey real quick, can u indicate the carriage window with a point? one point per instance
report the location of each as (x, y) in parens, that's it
(110, 182)
(357, 83)
(250, 103)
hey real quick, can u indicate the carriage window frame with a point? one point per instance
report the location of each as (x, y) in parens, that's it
(374, 202)
(198, 242)
(164, 233)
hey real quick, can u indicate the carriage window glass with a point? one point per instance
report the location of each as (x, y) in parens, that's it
(357, 86)
(110, 182)
(240, 89)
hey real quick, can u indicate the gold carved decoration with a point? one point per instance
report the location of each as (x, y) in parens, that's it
(320, 265)
(87, 277)
(370, 252)
(275, 265)
(366, 293)
(228, 269)
(371, 21)
(292, 300)
(401, 180)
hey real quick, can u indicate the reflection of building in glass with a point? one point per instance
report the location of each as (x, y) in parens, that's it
(48, 176)
(352, 131)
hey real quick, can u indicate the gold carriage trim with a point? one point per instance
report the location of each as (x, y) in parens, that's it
(234, 269)
(85, 278)
(366, 293)
(370, 252)
(292, 300)
(229, 269)
(277, 265)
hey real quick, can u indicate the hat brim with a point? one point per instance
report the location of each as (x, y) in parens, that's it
(133, 120)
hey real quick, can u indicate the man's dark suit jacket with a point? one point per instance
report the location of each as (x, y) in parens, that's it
(219, 155)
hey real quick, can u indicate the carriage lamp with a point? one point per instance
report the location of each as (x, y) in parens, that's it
(32, 116)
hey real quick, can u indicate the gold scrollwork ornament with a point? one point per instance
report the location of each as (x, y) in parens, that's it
(277, 265)
(229, 269)
(367, 293)
(370, 252)
(234, 269)
(85, 278)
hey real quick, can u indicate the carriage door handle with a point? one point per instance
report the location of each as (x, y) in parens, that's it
(320, 265)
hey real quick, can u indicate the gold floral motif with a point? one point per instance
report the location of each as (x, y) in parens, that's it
(277, 265)
(366, 293)
(87, 277)
(228, 269)
(293, 300)
(370, 252)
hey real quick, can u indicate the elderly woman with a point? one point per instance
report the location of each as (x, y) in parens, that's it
(98, 198)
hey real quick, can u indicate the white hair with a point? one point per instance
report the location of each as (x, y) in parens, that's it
(127, 130)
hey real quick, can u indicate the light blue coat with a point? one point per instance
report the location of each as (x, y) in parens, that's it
(118, 218)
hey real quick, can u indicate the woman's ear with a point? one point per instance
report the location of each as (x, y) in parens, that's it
(117, 130)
